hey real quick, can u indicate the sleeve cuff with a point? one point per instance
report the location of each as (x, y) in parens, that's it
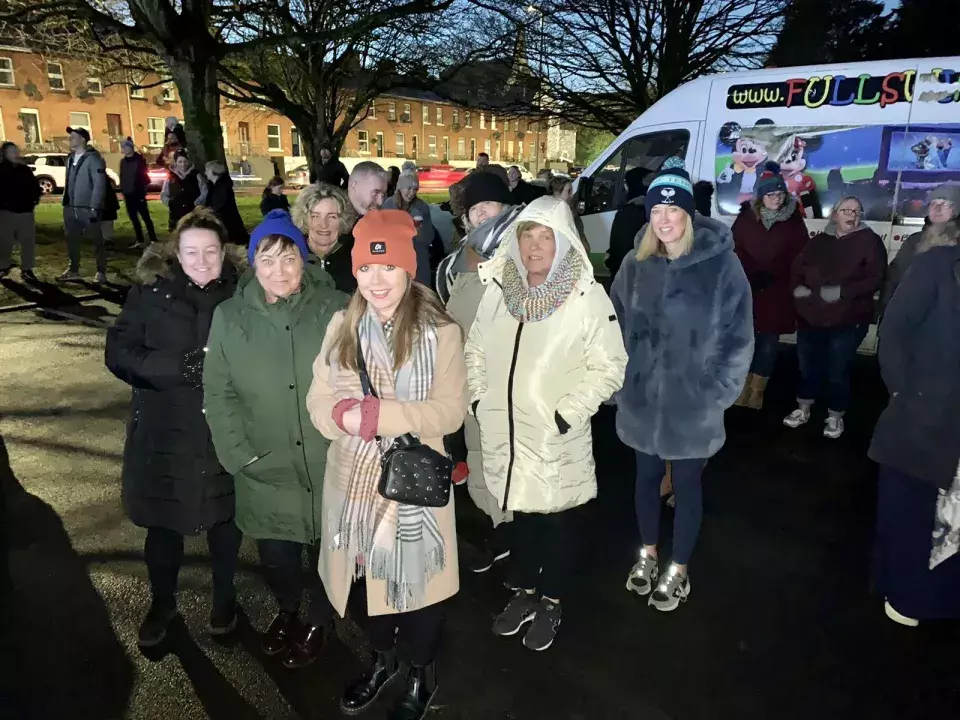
(340, 408)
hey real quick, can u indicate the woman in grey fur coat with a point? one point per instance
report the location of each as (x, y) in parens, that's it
(685, 308)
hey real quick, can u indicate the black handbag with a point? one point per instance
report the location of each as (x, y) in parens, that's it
(410, 472)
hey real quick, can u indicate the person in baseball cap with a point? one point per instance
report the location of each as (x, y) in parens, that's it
(82, 132)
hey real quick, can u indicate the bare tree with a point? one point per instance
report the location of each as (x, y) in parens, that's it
(602, 63)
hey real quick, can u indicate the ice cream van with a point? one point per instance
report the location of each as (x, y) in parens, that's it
(887, 132)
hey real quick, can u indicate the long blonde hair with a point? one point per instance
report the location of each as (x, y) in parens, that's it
(418, 308)
(651, 246)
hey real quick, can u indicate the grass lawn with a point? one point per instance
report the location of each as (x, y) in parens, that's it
(52, 248)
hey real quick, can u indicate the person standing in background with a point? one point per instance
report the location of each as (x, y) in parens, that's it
(181, 190)
(273, 198)
(219, 197)
(83, 203)
(521, 192)
(330, 170)
(134, 181)
(109, 214)
(406, 199)
(19, 196)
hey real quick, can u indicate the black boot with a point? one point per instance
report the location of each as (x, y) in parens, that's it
(305, 650)
(416, 699)
(282, 632)
(363, 691)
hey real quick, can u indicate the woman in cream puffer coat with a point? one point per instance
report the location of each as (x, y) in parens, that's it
(544, 352)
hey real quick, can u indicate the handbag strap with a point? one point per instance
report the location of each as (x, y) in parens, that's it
(362, 370)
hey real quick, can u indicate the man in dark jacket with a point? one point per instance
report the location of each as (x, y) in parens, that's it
(19, 195)
(82, 203)
(331, 170)
(522, 192)
(134, 180)
(219, 197)
(629, 220)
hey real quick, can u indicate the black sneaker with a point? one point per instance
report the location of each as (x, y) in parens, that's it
(542, 632)
(153, 630)
(223, 619)
(487, 557)
(521, 609)
(29, 277)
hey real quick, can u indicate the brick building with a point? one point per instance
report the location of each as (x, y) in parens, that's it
(42, 95)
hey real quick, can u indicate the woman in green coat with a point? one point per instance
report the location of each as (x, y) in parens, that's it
(258, 369)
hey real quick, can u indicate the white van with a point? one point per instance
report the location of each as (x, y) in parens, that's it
(887, 132)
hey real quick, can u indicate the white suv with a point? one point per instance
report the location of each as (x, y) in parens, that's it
(51, 171)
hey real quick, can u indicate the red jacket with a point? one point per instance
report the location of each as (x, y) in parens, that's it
(767, 257)
(856, 263)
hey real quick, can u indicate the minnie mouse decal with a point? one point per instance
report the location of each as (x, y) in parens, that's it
(792, 164)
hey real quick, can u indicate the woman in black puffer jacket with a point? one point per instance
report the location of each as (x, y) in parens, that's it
(173, 484)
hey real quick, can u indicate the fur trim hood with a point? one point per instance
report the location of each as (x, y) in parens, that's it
(938, 235)
(159, 259)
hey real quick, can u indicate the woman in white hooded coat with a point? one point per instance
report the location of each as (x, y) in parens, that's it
(544, 352)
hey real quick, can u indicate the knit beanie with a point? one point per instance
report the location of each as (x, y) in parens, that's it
(485, 187)
(128, 142)
(408, 179)
(671, 186)
(949, 192)
(770, 181)
(276, 222)
(385, 237)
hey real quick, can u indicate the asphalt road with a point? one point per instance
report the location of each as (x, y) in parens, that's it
(781, 622)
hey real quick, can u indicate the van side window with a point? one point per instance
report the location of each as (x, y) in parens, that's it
(637, 159)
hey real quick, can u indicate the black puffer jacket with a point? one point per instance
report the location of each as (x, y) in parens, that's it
(339, 264)
(221, 200)
(171, 475)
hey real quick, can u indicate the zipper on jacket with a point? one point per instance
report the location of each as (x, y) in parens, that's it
(510, 428)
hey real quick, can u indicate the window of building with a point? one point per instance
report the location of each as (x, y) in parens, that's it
(520, 151)
(55, 76)
(379, 144)
(363, 141)
(533, 150)
(372, 110)
(401, 145)
(136, 92)
(6, 71)
(483, 121)
(456, 118)
(30, 120)
(426, 114)
(446, 149)
(94, 86)
(493, 122)
(439, 115)
(406, 117)
(80, 120)
(169, 92)
(461, 147)
(432, 145)
(155, 132)
(467, 120)
(516, 125)
(226, 137)
(392, 112)
(510, 149)
(2, 135)
(486, 144)
(274, 143)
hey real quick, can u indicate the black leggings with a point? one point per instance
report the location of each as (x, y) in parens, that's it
(163, 553)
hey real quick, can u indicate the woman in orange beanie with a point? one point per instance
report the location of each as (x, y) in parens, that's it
(407, 554)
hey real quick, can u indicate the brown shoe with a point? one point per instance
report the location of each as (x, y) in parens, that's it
(305, 650)
(281, 633)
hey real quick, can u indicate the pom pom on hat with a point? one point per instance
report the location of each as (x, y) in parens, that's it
(770, 180)
(672, 163)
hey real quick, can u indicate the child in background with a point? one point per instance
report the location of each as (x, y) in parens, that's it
(273, 197)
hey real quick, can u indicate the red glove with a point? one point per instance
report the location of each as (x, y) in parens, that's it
(341, 408)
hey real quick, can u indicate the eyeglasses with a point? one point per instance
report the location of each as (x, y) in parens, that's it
(849, 211)
(940, 205)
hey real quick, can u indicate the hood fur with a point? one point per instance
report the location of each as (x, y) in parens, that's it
(938, 235)
(159, 258)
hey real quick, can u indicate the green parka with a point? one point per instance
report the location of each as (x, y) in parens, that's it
(257, 371)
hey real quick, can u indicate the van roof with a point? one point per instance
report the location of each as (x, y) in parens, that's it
(692, 97)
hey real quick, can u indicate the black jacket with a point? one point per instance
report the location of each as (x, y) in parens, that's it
(171, 475)
(333, 172)
(111, 206)
(525, 193)
(134, 178)
(183, 192)
(223, 203)
(919, 355)
(272, 201)
(19, 190)
(339, 264)
(628, 221)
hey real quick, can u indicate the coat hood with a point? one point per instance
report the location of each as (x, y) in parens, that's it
(556, 215)
(938, 235)
(160, 258)
(710, 238)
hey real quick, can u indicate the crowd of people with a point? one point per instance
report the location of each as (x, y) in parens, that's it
(317, 385)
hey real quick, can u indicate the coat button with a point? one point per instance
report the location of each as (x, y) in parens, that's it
(288, 327)
(309, 490)
(291, 387)
(299, 443)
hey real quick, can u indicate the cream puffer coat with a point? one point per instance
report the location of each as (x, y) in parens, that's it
(522, 375)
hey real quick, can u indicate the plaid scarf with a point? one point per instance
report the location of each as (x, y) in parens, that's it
(532, 304)
(398, 544)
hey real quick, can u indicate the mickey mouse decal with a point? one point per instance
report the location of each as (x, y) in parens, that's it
(736, 182)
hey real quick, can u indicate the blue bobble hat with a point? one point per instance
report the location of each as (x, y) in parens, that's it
(671, 186)
(770, 181)
(276, 222)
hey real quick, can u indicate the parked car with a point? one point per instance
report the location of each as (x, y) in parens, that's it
(436, 178)
(51, 171)
(158, 176)
(299, 176)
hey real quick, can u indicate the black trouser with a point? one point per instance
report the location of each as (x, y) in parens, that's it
(163, 552)
(542, 549)
(283, 562)
(416, 634)
(137, 207)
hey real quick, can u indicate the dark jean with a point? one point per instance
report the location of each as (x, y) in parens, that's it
(163, 552)
(282, 561)
(689, 502)
(766, 347)
(416, 634)
(542, 549)
(828, 352)
(137, 207)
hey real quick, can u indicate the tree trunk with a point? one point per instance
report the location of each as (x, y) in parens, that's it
(196, 79)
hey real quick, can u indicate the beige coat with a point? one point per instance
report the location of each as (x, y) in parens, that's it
(568, 363)
(440, 415)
